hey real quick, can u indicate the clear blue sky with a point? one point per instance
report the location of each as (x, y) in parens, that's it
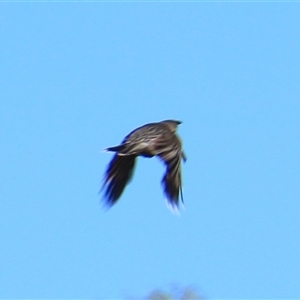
(77, 77)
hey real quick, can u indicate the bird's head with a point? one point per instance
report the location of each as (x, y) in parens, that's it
(172, 124)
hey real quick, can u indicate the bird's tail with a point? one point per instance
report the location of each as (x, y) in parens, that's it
(118, 148)
(127, 149)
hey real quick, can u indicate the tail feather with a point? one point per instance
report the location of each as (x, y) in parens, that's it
(126, 149)
(115, 148)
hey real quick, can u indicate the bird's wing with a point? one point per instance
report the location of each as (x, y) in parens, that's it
(171, 155)
(118, 174)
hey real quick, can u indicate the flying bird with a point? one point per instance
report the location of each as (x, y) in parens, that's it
(154, 139)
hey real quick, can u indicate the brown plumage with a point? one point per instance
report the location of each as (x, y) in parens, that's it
(154, 139)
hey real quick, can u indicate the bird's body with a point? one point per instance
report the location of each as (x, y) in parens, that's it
(154, 139)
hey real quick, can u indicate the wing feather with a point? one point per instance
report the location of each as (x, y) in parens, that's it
(118, 174)
(171, 155)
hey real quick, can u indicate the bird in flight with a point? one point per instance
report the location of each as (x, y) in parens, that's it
(154, 139)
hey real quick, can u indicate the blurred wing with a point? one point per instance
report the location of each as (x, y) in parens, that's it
(118, 174)
(171, 155)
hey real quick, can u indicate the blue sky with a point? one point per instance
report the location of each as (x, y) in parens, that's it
(77, 77)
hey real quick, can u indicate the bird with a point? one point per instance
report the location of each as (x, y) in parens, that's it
(153, 139)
